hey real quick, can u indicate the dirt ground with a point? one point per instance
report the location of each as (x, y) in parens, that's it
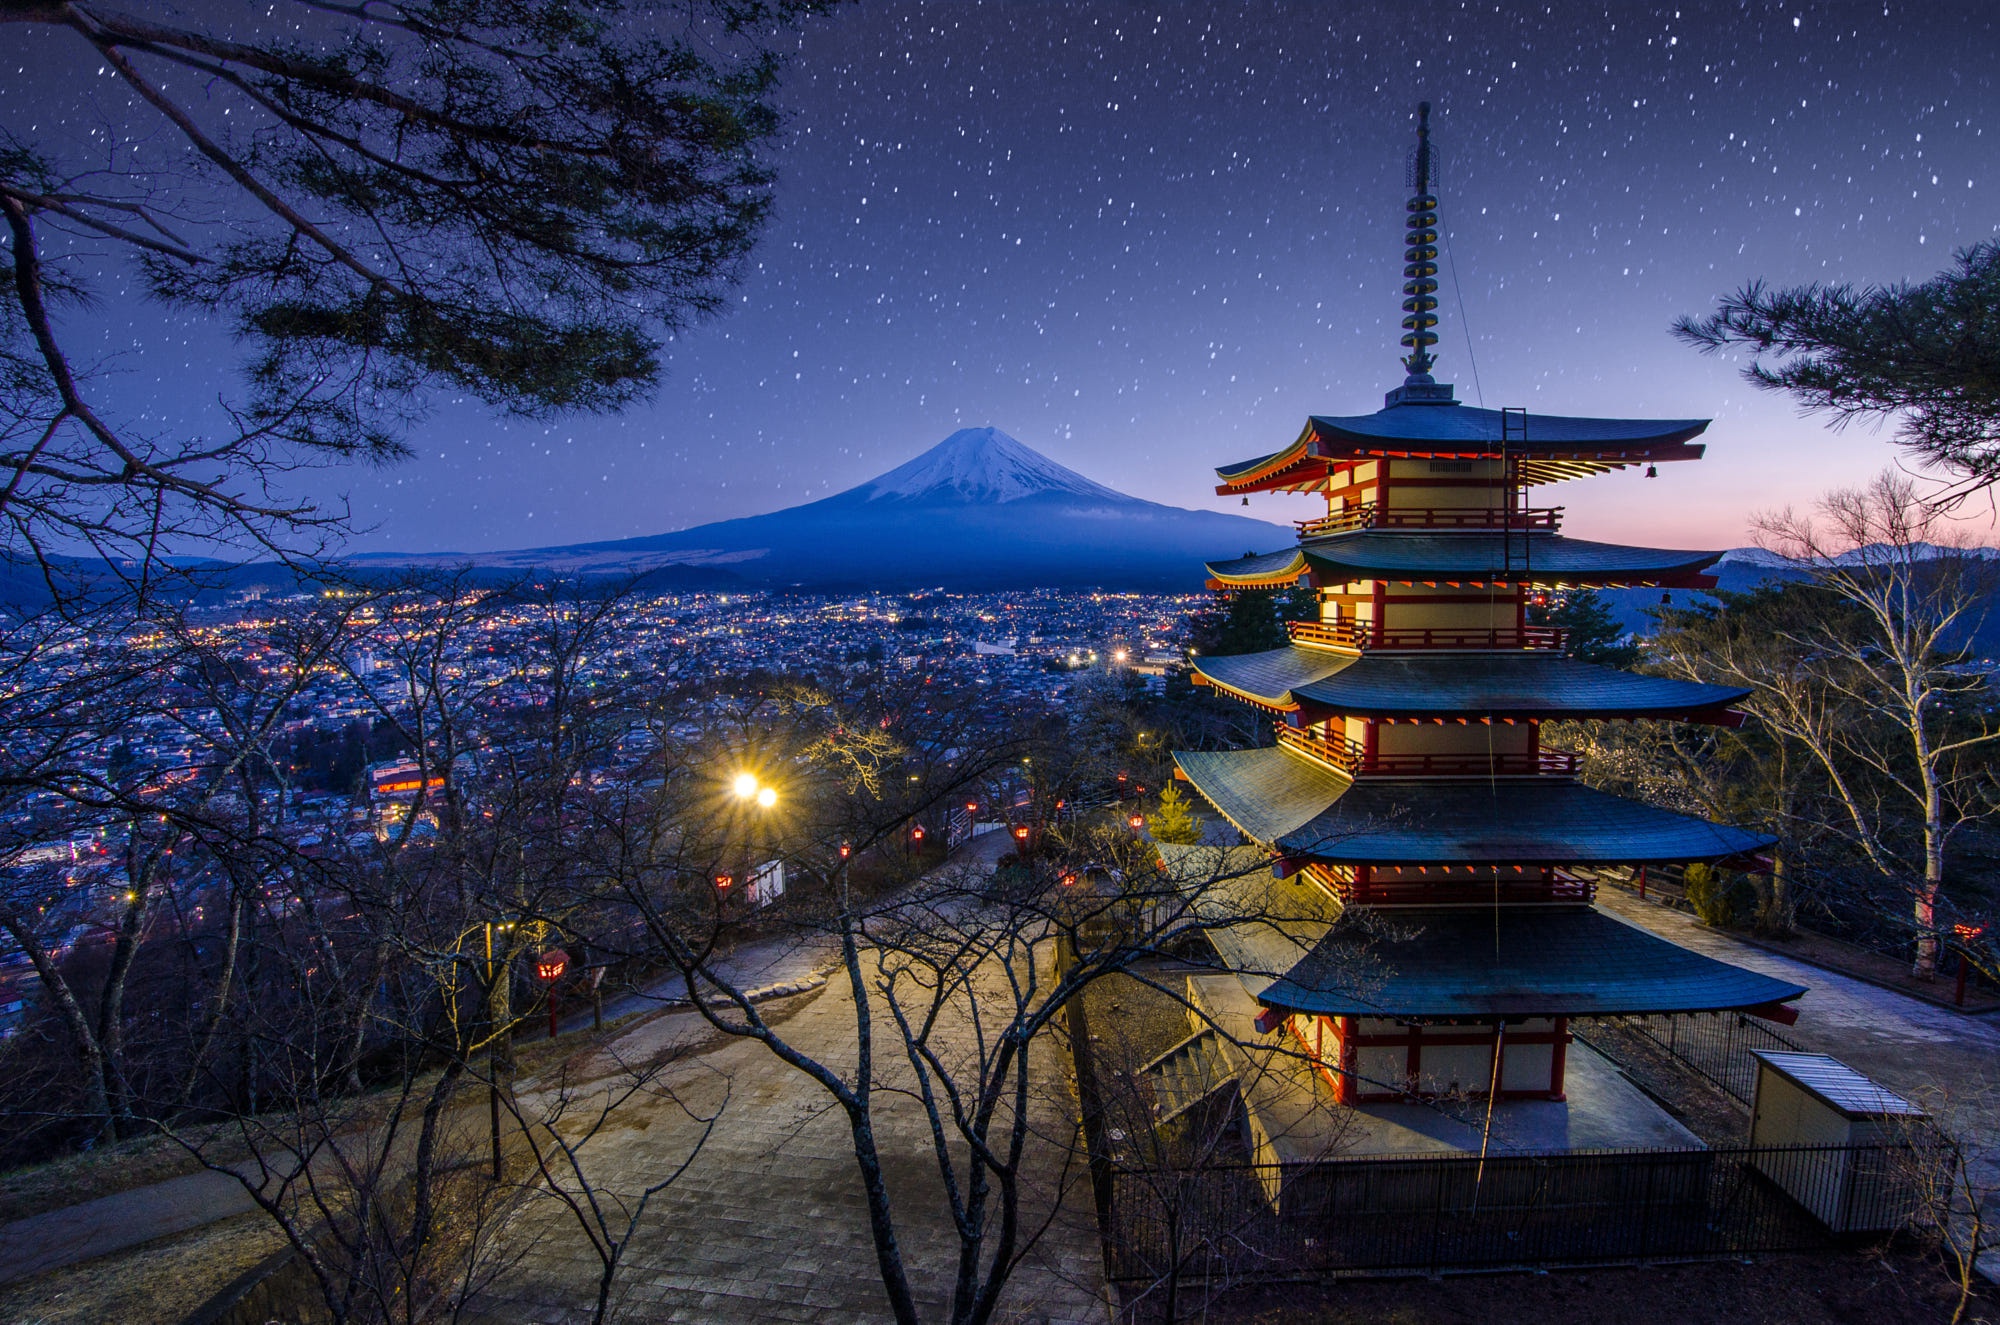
(1705, 1109)
(1858, 1288)
(156, 1284)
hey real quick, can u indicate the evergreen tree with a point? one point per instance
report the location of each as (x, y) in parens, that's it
(1929, 353)
(1251, 621)
(522, 203)
(1174, 822)
(1594, 634)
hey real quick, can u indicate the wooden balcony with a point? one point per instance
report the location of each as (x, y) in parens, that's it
(1371, 515)
(1350, 757)
(1359, 636)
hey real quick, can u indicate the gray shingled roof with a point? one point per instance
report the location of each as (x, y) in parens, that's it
(1391, 554)
(1426, 422)
(1287, 801)
(1501, 685)
(1273, 675)
(1482, 961)
(1468, 426)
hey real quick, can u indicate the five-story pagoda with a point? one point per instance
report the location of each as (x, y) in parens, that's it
(1409, 782)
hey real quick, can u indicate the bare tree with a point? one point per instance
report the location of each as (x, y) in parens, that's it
(1925, 737)
(1941, 1162)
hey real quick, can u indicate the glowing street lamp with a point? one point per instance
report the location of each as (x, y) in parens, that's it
(1137, 821)
(766, 797)
(745, 786)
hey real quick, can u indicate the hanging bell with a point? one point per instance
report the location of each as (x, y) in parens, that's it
(1652, 471)
(1246, 501)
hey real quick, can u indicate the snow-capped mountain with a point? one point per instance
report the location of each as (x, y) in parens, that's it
(979, 465)
(977, 511)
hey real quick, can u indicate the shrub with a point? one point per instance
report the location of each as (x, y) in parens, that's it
(1719, 897)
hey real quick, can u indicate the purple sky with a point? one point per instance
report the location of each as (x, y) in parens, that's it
(1146, 240)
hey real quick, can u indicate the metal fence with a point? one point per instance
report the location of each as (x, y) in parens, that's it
(1425, 1214)
(1717, 1045)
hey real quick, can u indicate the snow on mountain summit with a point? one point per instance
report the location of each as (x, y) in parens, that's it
(981, 465)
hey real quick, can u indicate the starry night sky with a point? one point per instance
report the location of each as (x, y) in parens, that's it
(1149, 239)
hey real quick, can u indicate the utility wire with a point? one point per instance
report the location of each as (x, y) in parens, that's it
(1478, 392)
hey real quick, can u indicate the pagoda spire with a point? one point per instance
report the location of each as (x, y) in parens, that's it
(1420, 258)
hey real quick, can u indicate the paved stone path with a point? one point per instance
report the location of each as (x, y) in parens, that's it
(768, 1223)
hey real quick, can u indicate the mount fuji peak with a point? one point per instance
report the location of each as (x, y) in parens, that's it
(980, 465)
(977, 511)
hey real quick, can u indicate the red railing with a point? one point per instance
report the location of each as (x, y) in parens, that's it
(1349, 756)
(1334, 634)
(1371, 515)
(1360, 635)
(1455, 888)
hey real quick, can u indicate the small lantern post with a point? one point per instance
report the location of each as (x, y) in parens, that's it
(549, 968)
(1966, 933)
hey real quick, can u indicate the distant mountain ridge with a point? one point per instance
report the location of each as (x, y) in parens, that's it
(979, 510)
(1874, 553)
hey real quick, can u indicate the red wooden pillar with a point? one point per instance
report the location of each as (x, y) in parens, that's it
(1346, 1084)
(1413, 1059)
(1559, 1060)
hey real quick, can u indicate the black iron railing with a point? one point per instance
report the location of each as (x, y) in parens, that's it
(1423, 1214)
(1717, 1045)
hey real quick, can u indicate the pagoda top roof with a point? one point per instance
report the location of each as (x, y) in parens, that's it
(1297, 806)
(1442, 427)
(1419, 555)
(1501, 685)
(1481, 962)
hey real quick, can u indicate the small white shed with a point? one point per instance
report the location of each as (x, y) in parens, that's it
(1831, 1138)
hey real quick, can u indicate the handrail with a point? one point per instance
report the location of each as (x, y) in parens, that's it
(1360, 635)
(1348, 755)
(1372, 515)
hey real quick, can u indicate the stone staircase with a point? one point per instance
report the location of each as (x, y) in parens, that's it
(1186, 1075)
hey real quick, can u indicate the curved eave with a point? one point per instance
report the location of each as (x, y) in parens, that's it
(1269, 679)
(1474, 962)
(1297, 466)
(1265, 570)
(1309, 812)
